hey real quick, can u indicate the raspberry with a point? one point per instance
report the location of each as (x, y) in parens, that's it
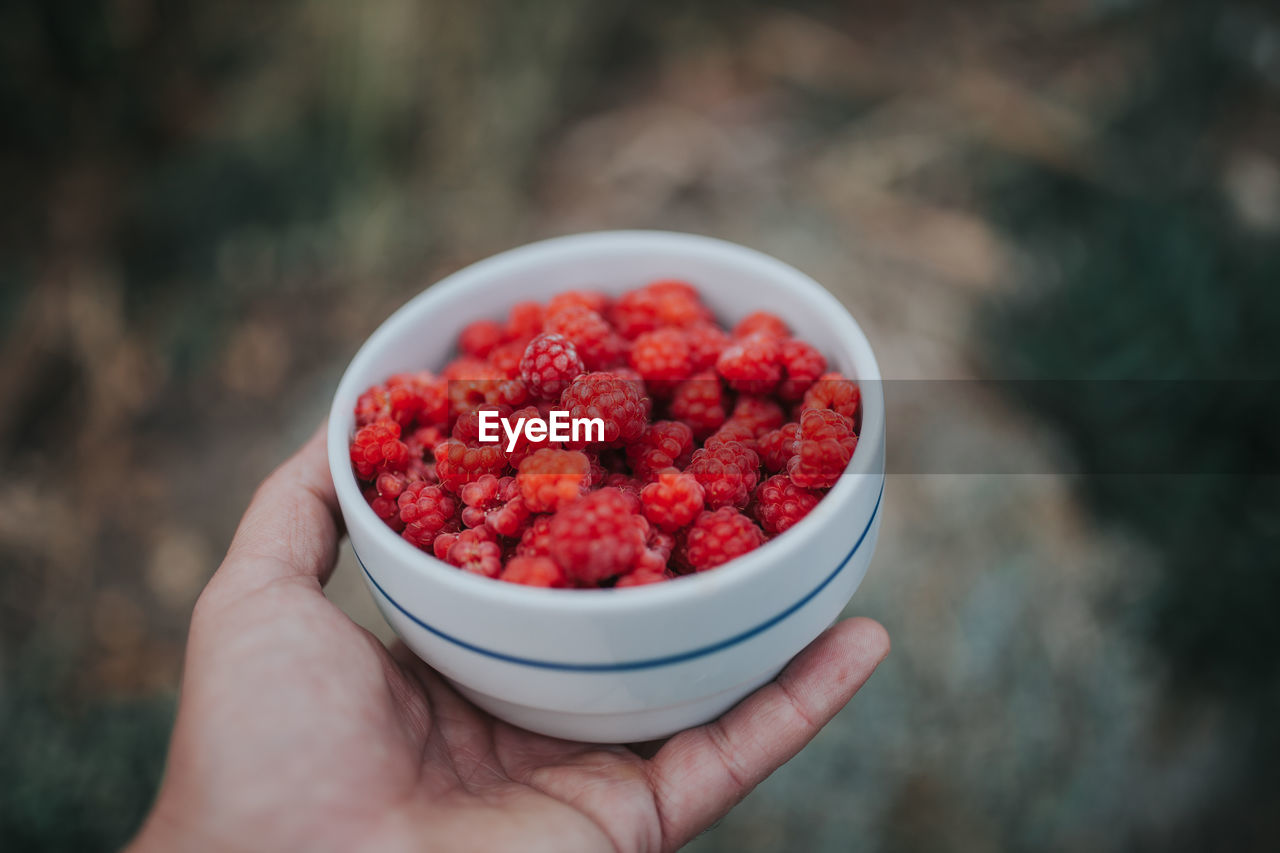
(716, 537)
(642, 577)
(549, 364)
(457, 464)
(426, 511)
(751, 364)
(377, 447)
(596, 537)
(483, 494)
(384, 507)
(524, 321)
(423, 439)
(738, 432)
(833, 391)
(673, 500)
(473, 552)
(550, 478)
(662, 357)
(823, 450)
(440, 547)
(479, 338)
(780, 503)
(404, 398)
(662, 303)
(802, 365)
(467, 367)
(523, 445)
(619, 403)
(597, 343)
(778, 446)
(534, 571)
(664, 444)
(592, 299)
(484, 386)
(706, 342)
(761, 322)
(757, 414)
(658, 546)
(467, 427)
(699, 402)
(536, 539)
(727, 473)
(505, 358)
(511, 519)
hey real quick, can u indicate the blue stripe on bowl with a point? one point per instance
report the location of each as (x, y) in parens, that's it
(647, 663)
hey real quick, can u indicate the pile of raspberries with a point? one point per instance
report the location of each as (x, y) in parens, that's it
(715, 441)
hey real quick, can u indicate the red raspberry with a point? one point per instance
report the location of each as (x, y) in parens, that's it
(727, 472)
(658, 547)
(642, 577)
(457, 464)
(440, 547)
(405, 398)
(592, 299)
(511, 519)
(802, 365)
(534, 571)
(701, 403)
(467, 427)
(484, 385)
(757, 414)
(483, 494)
(377, 447)
(833, 391)
(524, 321)
(524, 446)
(479, 338)
(505, 358)
(595, 341)
(620, 404)
(823, 450)
(467, 367)
(549, 364)
(596, 537)
(706, 342)
(384, 506)
(673, 500)
(780, 503)
(661, 357)
(662, 303)
(716, 537)
(751, 364)
(550, 478)
(422, 439)
(665, 444)
(536, 539)
(737, 432)
(778, 446)
(473, 552)
(761, 322)
(426, 511)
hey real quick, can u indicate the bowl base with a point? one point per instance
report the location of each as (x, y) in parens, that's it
(625, 727)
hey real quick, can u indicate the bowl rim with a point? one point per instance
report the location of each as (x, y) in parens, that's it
(860, 474)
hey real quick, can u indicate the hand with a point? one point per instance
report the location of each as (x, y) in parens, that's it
(297, 729)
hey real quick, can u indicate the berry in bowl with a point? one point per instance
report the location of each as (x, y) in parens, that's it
(609, 484)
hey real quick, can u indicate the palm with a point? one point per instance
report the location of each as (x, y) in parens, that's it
(298, 728)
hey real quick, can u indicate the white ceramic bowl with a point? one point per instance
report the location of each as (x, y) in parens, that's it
(632, 664)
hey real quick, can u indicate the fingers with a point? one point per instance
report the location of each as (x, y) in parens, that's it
(291, 527)
(702, 773)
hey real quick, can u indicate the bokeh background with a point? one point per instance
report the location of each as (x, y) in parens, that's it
(208, 206)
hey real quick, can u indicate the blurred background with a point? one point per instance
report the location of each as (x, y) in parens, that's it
(208, 206)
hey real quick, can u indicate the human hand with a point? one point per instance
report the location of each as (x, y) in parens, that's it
(297, 729)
